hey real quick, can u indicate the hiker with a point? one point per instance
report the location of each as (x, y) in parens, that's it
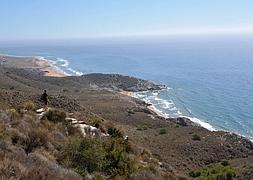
(44, 99)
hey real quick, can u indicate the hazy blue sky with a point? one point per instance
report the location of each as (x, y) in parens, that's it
(38, 19)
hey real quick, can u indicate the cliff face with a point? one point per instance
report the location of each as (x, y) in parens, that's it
(168, 149)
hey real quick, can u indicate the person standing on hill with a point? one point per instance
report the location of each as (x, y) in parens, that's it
(44, 98)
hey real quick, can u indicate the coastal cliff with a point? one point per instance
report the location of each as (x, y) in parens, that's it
(173, 148)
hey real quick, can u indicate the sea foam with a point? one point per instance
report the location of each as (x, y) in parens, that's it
(61, 65)
(167, 107)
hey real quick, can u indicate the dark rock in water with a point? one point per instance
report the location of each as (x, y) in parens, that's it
(182, 121)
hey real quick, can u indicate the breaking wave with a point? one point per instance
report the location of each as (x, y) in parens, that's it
(167, 107)
(61, 65)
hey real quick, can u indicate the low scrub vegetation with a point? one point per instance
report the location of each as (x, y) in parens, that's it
(87, 154)
(55, 116)
(162, 131)
(221, 171)
(196, 137)
(34, 138)
(142, 128)
(52, 142)
(30, 106)
(114, 132)
(2, 131)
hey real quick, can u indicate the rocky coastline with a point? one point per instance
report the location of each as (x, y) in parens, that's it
(177, 145)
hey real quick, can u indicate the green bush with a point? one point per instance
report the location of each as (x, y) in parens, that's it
(87, 154)
(130, 112)
(96, 122)
(84, 155)
(162, 131)
(196, 137)
(55, 116)
(115, 132)
(142, 128)
(119, 161)
(220, 171)
(195, 174)
(224, 163)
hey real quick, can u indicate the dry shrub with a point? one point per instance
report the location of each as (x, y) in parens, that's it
(37, 168)
(145, 174)
(13, 114)
(146, 154)
(10, 169)
(48, 125)
(15, 123)
(16, 136)
(29, 106)
(3, 131)
(73, 131)
(35, 137)
(44, 170)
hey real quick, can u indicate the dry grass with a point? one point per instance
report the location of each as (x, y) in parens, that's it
(29, 106)
(3, 132)
(30, 142)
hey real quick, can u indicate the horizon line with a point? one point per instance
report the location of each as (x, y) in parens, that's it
(175, 32)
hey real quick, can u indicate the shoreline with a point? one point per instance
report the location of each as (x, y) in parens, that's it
(164, 115)
(44, 66)
(48, 69)
(31, 62)
(197, 121)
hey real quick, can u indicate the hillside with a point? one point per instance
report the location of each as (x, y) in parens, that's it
(157, 148)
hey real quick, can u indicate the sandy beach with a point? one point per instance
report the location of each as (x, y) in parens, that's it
(27, 62)
(47, 69)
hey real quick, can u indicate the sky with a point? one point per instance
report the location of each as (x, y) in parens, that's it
(66, 19)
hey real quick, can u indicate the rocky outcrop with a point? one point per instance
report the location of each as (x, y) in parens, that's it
(182, 121)
(117, 82)
(86, 129)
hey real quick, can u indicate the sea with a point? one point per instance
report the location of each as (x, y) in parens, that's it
(209, 78)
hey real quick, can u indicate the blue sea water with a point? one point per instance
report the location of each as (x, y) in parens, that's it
(209, 79)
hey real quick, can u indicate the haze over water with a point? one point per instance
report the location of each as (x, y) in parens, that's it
(209, 79)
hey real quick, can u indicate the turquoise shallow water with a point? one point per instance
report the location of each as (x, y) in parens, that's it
(209, 80)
